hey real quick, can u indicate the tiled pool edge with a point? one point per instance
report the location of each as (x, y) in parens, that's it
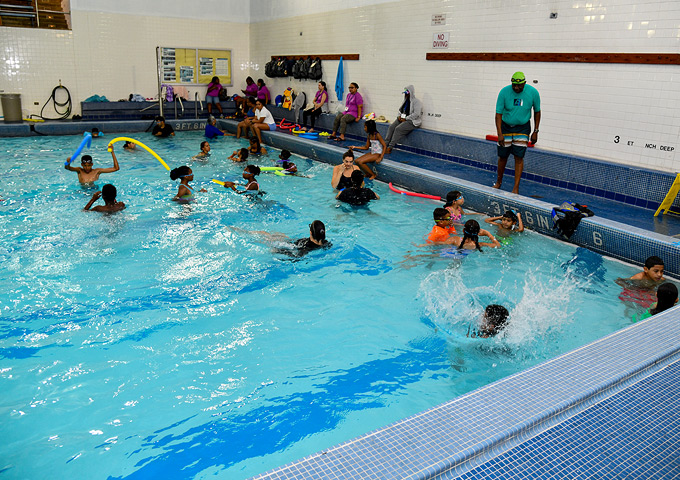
(447, 440)
(601, 235)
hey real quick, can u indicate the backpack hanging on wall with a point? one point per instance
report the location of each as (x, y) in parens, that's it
(269, 68)
(315, 72)
(280, 67)
(288, 69)
(298, 69)
(305, 67)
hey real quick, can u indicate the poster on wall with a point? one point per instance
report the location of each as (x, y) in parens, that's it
(222, 67)
(186, 74)
(206, 65)
(195, 65)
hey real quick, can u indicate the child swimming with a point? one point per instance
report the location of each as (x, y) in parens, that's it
(471, 234)
(493, 321)
(356, 194)
(443, 231)
(652, 272)
(256, 148)
(184, 192)
(239, 155)
(288, 166)
(252, 187)
(639, 289)
(508, 222)
(454, 204)
(108, 193)
(88, 175)
(666, 297)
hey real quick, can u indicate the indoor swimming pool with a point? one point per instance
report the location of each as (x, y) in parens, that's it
(175, 340)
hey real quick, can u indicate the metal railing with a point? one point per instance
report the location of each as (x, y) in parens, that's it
(197, 103)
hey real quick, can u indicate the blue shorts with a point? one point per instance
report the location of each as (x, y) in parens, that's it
(212, 100)
(516, 140)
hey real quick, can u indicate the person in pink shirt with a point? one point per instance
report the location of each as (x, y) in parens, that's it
(250, 91)
(354, 104)
(263, 92)
(212, 96)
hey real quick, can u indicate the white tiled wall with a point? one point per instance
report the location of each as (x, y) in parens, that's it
(592, 110)
(107, 54)
(598, 110)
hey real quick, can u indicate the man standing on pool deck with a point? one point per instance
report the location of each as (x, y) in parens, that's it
(513, 115)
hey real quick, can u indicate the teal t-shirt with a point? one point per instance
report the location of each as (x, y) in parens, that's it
(516, 107)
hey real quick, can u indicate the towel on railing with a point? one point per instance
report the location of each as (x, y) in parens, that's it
(182, 92)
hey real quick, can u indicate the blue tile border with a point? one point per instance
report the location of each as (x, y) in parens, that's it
(447, 441)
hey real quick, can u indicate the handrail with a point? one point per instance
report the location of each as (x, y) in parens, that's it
(178, 99)
(197, 102)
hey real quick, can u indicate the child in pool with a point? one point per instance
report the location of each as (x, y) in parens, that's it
(494, 320)
(443, 231)
(185, 192)
(454, 204)
(87, 174)
(108, 193)
(375, 144)
(129, 146)
(652, 273)
(96, 133)
(256, 148)
(508, 222)
(666, 297)
(239, 155)
(288, 166)
(249, 174)
(471, 234)
(205, 151)
(356, 194)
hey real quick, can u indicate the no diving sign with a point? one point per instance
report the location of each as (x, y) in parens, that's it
(440, 40)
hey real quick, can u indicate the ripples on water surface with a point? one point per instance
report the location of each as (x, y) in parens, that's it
(164, 342)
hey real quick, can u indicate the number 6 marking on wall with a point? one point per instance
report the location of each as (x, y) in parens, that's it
(597, 239)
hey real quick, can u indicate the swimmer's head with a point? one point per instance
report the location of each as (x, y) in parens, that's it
(129, 145)
(357, 178)
(160, 120)
(470, 232)
(205, 147)
(518, 81)
(509, 219)
(254, 141)
(453, 197)
(86, 162)
(284, 155)
(243, 154)
(95, 132)
(212, 120)
(251, 171)
(666, 296)
(181, 172)
(494, 320)
(441, 216)
(348, 158)
(317, 230)
(109, 193)
(370, 127)
(654, 268)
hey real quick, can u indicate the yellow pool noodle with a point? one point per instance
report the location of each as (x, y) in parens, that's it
(137, 142)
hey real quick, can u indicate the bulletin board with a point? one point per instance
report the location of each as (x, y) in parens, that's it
(194, 66)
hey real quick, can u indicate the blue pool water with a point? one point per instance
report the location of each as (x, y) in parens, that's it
(168, 341)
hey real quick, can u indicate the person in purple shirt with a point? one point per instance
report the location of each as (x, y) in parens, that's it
(250, 91)
(212, 96)
(263, 92)
(354, 104)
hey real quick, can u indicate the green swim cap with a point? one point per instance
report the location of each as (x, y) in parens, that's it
(518, 77)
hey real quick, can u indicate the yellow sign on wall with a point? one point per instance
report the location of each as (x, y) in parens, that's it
(195, 65)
